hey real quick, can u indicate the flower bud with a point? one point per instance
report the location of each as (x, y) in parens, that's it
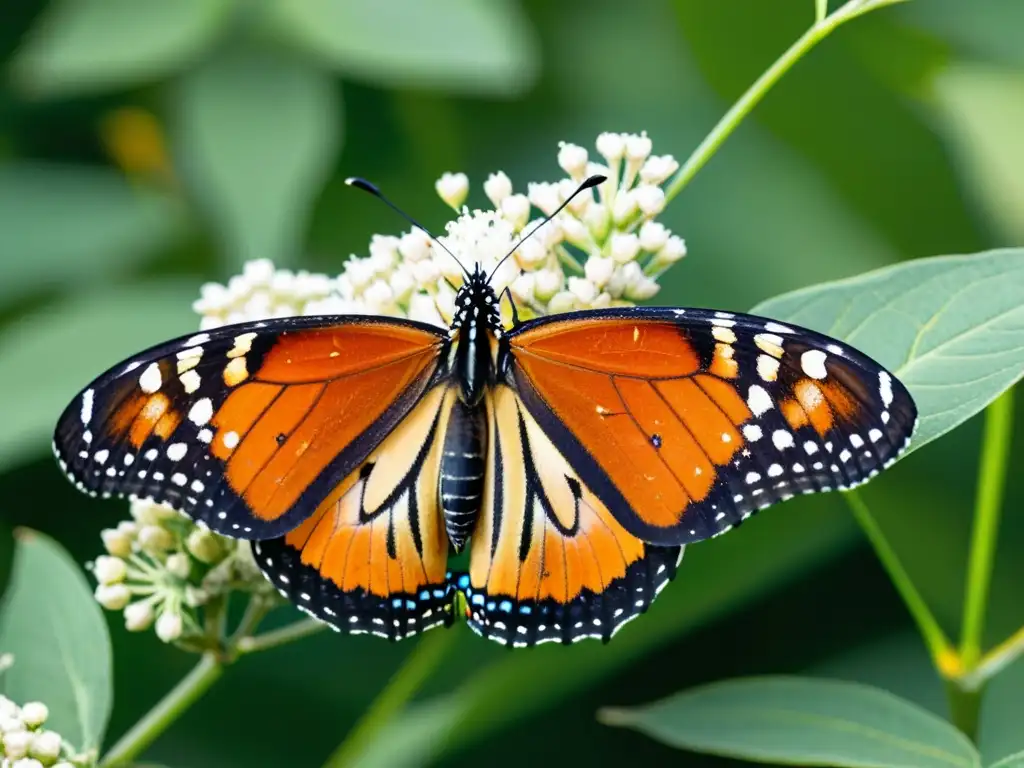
(109, 570)
(598, 270)
(414, 245)
(638, 147)
(624, 247)
(378, 295)
(641, 288)
(650, 198)
(259, 272)
(522, 286)
(516, 208)
(531, 252)
(155, 540)
(194, 597)
(653, 236)
(113, 597)
(425, 272)
(138, 616)
(169, 626)
(573, 159)
(128, 528)
(624, 207)
(383, 253)
(547, 283)
(584, 290)
(178, 564)
(611, 146)
(146, 512)
(205, 546)
(7, 707)
(657, 169)
(116, 542)
(27, 762)
(597, 221)
(45, 746)
(562, 301)
(576, 232)
(34, 714)
(452, 188)
(423, 308)
(16, 744)
(497, 187)
(544, 196)
(674, 249)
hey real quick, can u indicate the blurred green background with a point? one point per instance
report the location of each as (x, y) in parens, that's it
(147, 146)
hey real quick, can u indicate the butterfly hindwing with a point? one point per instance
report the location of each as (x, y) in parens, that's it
(372, 557)
(548, 562)
(247, 428)
(684, 422)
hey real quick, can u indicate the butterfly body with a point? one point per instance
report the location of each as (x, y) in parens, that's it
(575, 455)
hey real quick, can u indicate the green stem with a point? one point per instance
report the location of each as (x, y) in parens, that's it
(282, 636)
(403, 685)
(995, 661)
(156, 721)
(939, 646)
(995, 453)
(753, 95)
(964, 708)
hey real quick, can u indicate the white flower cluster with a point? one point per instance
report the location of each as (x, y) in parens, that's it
(604, 249)
(160, 567)
(24, 743)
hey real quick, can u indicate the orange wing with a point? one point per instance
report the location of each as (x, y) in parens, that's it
(372, 557)
(548, 561)
(248, 428)
(684, 422)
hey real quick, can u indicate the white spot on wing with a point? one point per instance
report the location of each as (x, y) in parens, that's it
(201, 412)
(752, 432)
(230, 439)
(150, 380)
(87, 400)
(777, 328)
(813, 363)
(758, 400)
(885, 388)
(176, 451)
(782, 439)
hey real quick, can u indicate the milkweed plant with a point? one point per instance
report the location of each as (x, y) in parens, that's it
(170, 577)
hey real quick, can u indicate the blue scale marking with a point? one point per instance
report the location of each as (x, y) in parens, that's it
(505, 606)
(478, 599)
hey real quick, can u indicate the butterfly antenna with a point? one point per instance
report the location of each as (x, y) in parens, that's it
(363, 184)
(589, 183)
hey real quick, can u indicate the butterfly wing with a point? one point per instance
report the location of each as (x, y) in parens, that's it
(248, 428)
(372, 557)
(684, 422)
(548, 561)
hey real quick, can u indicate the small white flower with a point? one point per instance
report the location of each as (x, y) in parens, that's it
(597, 220)
(573, 159)
(638, 285)
(598, 270)
(109, 570)
(148, 513)
(16, 744)
(169, 626)
(624, 247)
(624, 207)
(154, 539)
(178, 564)
(423, 309)
(7, 707)
(402, 283)
(497, 187)
(547, 283)
(532, 252)
(425, 272)
(116, 542)
(113, 597)
(674, 249)
(213, 297)
(27, 762)
(638, 147)
(650, 198)
(516, 208)
(657, 169)
(611, 146)
(138, 616)
(562, 301)
(383, 253)
(378, 295)
(523, 286)
(576, 233)
(413, 246)
(359, 272)
(205, 546)
(45, 746)
(544, 196)
(258, 272)
(653, 236)
(11, 724)
(453, 188)
(584, 290)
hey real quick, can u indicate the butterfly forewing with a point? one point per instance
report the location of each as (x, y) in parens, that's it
(247, 428)
(684, 422)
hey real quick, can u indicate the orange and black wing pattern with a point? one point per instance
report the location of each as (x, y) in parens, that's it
(248, 428)
(373, 556)
(685, 422)
(549, 562)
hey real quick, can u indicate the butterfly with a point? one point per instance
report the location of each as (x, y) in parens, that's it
(575, 455)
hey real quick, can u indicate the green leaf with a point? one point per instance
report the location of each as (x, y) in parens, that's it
(982, 110)
(470, 46)
(93, 45)
(47, 356)
(950, 327)
(58, 636)
(256, 135)
(62, 225)
(990, 31)
(1015, 760)
(801, 721)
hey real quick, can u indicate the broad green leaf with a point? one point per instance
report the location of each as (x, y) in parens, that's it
(982, 111)
(58, 637)
(1010, 761)
(801, 721)
(93, 45)
(47, 356)
(61, 225)
(473, 46)
(991, 29)
(256, 135)
(950, 327)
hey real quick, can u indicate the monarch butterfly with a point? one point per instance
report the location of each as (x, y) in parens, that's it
(577, 453)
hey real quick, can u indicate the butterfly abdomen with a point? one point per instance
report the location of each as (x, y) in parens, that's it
(462, 471)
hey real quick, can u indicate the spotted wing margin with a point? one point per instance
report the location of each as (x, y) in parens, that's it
(372, 557)
(247, 428)
(548, 562)
(686, 421)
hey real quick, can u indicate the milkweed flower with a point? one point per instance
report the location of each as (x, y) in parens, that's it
(25, 743)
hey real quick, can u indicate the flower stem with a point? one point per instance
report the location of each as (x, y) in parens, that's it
(418, 666)
(282, 636)
(943, 654)
(822, 27)
(180, 698)
(995, 661)
(995, 452)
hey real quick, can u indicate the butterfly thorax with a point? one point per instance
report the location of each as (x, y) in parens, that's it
(474, 327)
